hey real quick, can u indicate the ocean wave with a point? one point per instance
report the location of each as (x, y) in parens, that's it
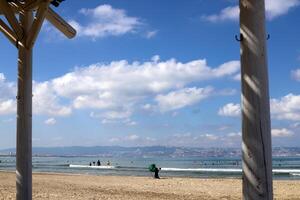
(200, 170)
(232, 170)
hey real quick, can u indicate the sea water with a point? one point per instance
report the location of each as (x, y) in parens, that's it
(193, 167)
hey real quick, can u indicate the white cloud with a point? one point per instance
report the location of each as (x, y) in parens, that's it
(147, 107)
(282, 132)
(114, 116)
(226, 92)
(237, 77)
(274, 8)
(182, 98)
(7, 107)
(234, 134)
(230, 110)
(133, 137)
(129, 122)
(295, 74)
(46, 101)
(8, 89)
(50, 121)
(7, 97)
(223, 127)
(151, 34)
(228, 13)
(136, 79)
(104, 20)
(286, 108)
(121, 85)
(119, 88)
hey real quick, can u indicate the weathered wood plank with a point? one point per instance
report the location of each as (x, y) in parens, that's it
(24, 116)
(33, 4)
(60, 24)
(37, 24)
(6, 30)
(257, 148)
(11, 18)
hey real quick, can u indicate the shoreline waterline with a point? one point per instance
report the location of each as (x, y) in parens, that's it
(286, 168)
(83, 186)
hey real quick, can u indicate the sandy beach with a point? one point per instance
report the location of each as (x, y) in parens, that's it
(66, 186)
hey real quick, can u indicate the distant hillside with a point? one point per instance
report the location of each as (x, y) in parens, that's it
(117, 151)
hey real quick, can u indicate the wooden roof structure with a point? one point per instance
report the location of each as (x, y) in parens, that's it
(14, 31)
(256, 131)
(22, 32)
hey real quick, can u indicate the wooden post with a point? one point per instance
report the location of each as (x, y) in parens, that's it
(256, 147)
(24, 114)
(23, 33)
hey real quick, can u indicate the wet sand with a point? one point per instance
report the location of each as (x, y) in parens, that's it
(67, 186)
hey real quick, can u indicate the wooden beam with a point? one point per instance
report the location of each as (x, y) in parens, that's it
(19, 7)
(256, 128)
(60, 23)
(15, 6)
(37, 24)
(33, 4)
(6, 30)
(11, 18)
(24, 116)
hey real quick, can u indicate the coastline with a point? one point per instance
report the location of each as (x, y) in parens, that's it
(78, 186)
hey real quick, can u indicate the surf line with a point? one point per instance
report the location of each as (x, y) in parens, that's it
(277, 171)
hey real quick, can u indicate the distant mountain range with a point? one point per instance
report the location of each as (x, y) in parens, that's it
(151, 151)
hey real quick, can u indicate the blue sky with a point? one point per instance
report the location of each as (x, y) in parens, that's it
(151, 73)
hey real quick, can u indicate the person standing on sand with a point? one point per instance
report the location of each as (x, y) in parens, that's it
(156, 172)
(152, 168)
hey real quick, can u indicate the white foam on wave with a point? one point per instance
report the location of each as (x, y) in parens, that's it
(278, 171)
(92, 167)
(286, 171)
(201, 170)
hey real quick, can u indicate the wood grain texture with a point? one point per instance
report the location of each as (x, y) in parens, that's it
(60, 24)
(37, 24)
(256, 148)
(9, 34)
(24, 116)
(11, 18)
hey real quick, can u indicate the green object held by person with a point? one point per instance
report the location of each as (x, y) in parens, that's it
(152, 167)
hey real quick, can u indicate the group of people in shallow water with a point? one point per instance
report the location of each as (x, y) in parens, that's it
(155, 170)
(98, 163)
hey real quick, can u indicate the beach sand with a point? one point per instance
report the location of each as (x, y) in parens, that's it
(66, 186)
